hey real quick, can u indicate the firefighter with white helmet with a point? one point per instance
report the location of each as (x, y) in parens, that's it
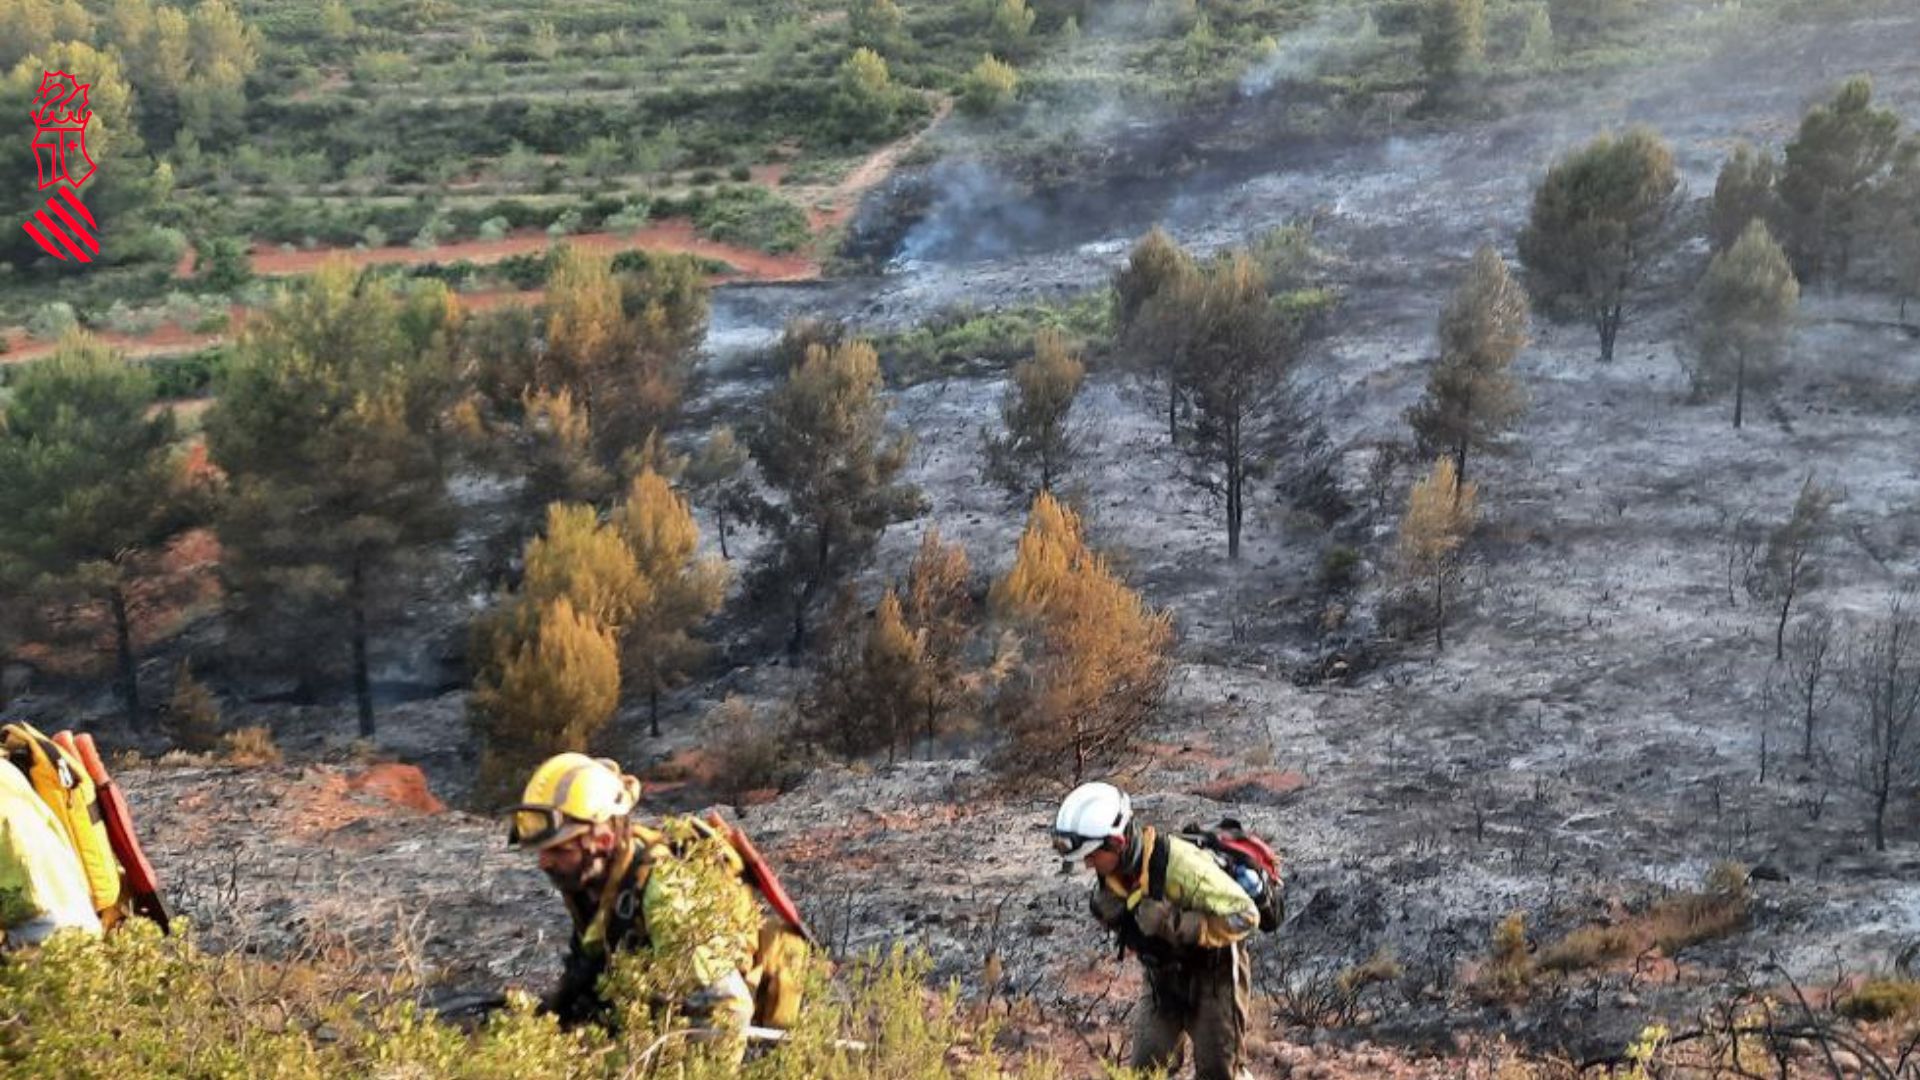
(1179, 912)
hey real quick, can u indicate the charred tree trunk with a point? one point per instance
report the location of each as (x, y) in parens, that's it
(1780, 627)
(1739, 390)
(129, 668)
(933, 717)
(1609, 332)
(1806, 743)
(1880, 794)
(1236, 481)
(823, 547)
(362, 681)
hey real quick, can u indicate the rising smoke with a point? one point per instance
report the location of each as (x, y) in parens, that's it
(1334, 41)
(976, 212)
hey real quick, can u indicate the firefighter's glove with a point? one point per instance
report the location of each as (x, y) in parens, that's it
(1107, 908)
(1176, 926)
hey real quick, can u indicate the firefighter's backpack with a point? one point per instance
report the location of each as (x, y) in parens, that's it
(62, 782)
(1250, 861)
(786, 945)
(42, 887)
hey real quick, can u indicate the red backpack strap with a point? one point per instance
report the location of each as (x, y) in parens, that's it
(1254, 850)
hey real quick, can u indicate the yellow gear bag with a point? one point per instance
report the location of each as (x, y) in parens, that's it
(779, 974)
(61, 781)
(778, 971)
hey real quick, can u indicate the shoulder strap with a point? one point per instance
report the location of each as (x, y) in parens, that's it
(1157, 867)
(594, 935)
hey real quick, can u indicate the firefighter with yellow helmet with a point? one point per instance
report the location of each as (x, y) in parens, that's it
(626, 886)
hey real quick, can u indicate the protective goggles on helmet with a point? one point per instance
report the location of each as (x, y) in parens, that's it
(1072, 845)
(539, 827)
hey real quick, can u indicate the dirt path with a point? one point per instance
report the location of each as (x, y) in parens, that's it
(845, 195)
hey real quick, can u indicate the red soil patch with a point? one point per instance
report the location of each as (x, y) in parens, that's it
(1259, 787)
(1199, 753)
(160, 341)
(326, 800)
(402, 785)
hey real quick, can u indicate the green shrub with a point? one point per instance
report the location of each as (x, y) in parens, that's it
(1339, 566)
(956, 340)
(494, 228)
(122, 318)
(178, 1011)
(433, 233)
(989, 87)
(628, 218)
(52, 319)
(191, 375)
(750, 216)
(525, 271)
(222, 263)
(865, 104)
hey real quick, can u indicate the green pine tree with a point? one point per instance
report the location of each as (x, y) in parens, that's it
(1747, 302)
(1599, 220)
(329, 431)
(91, 489)
(823, 444)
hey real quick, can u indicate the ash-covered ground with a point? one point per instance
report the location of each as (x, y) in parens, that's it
(1590, 734)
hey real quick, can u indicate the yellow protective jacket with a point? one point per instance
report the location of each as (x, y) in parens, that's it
(1182, 899)
(42, 885)
(645, 903)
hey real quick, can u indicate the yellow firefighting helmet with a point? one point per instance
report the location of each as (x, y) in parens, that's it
(567, 795)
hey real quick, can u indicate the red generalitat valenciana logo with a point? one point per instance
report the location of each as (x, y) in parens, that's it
(65, 228)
